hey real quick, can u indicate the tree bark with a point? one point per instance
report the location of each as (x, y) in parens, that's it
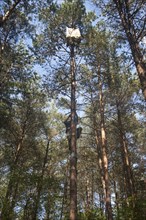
(40, 183)
(128, 25)
(128, 175)
(65, 193)
(88, 194)
(99, 156)
(116, 197)
(73, 151)
(104, 151)
(9, 201)
(5, 17)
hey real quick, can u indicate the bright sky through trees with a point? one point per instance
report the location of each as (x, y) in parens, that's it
(35, 101)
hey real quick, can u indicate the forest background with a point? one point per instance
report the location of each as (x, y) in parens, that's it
(35, 96)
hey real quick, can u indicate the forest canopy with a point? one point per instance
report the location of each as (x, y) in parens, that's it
(72, 110)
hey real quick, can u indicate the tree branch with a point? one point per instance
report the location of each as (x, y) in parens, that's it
(5, 17)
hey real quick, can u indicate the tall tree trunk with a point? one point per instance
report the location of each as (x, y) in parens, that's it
(9, 201)
(128, 25)
(92, 191)
(116, 198)
(48, 210)
(104, 150)
(27, 210)
(99, 156)
(128, 174)
(65, 192)
(101, 203)
(88, 194)
(40, 183)
(73, 151)
(101, 153)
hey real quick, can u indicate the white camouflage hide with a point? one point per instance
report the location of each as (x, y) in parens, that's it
(71, 32)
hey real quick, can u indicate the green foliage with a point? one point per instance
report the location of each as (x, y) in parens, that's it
(92, 214)
(132, 209)
(34, 153)
(75, 12)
